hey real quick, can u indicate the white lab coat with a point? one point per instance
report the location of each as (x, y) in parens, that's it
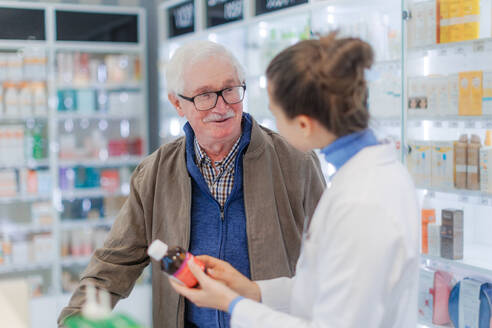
(359, 262)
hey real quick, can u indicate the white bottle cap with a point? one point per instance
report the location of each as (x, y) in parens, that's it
(157, 250)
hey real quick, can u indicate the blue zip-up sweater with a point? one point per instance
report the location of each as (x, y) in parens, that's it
(217, 233)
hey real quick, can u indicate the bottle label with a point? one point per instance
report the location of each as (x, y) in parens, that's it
(184, 274)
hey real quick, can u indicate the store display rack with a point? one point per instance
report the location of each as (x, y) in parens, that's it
(76, 110)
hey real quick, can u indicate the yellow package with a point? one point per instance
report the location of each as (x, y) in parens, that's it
(470, 93)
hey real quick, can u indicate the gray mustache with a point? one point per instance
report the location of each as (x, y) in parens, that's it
(219, 117)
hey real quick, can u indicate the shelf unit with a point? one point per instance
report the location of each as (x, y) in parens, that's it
(121, 136)
(255, 39)
(397, 32)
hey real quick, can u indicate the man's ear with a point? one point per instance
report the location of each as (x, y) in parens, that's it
(176, 103)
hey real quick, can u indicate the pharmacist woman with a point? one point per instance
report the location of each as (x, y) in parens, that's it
(359, 259)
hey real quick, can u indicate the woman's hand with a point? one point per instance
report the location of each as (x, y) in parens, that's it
(226, 273)
(210, 293)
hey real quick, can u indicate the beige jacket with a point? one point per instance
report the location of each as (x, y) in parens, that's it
(281, 188)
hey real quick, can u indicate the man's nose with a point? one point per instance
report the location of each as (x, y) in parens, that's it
(221, 105)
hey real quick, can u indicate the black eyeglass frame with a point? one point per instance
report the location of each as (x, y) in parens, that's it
(218, 93)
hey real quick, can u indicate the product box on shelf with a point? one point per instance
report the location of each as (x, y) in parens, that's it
(434, 239)
(470, 93)
(485, 164)
(442, 165)
(487, 94)
(428, 215)
(418, 96)
(460, 161)
(452, 234)
(473, 163)
(420, 162)
(86, 101)
(426, 299)
(67, 100)
(8, 183)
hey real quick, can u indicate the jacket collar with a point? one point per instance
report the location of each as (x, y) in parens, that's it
(344, 148)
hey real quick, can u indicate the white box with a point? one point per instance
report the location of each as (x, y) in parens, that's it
(442, 165)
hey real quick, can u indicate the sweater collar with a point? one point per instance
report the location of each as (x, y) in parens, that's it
(344, 148)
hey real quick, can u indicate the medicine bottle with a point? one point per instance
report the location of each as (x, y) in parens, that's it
(174, 261)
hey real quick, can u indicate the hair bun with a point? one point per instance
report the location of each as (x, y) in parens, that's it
(347, 55)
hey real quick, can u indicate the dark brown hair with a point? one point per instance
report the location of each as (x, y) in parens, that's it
(324, 79)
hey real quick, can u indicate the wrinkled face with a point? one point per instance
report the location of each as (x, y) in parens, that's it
(223, 122)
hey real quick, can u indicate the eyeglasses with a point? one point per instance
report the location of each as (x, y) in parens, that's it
(208, 100)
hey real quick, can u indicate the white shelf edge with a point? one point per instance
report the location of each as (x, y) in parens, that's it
(108, 86)
(8, 119)
(116, 161)
(102, 47)
(463, 264)
(448, 45)
(10, 268)
(75, 260)
(95, 116)
(28, 228)
(69, 224)
(89, 193)
(29, 165)
(458, 192)
(20, 199)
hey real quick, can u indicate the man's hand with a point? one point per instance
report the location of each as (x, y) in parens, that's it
(210, 293)
(226, 273)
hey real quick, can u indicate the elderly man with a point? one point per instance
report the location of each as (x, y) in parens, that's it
(229, 188)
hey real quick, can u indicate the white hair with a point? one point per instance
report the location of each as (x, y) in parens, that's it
(192, 53)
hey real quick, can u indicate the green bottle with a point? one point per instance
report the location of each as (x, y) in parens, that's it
(98, 314)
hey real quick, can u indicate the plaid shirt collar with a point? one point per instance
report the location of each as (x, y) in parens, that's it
(227, 163)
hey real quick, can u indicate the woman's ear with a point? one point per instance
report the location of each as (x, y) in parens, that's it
(305, 124)
(175, 102)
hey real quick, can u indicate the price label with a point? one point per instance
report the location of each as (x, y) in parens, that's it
(223, 11)
(266, 6)
(460, 51)
(442, 52)
(431, 194)
(453, 124)
(470, 125)
(487, 125)
(463, 199)
(478, 46)
(417, 124)
(437, 124)
(181, 18)
(484, 201)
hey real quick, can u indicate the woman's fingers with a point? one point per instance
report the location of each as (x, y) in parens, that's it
(197, 272)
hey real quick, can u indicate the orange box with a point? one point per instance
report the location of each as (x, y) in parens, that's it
(428, 216)
(470, 93)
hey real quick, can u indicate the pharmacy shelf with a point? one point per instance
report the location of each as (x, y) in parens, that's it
(453, 122)
(34, 164)
(477, 259)
(16, 45)
(430, 325)
(75, 260)
(23, 199)
(94, 115)
(10, 120)
(463, 47)
(110, 162)
(74, 224)
(133, 85)
(459, 195)
(99, 47)
(27, 228)
(92, 193)
(11, 268)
